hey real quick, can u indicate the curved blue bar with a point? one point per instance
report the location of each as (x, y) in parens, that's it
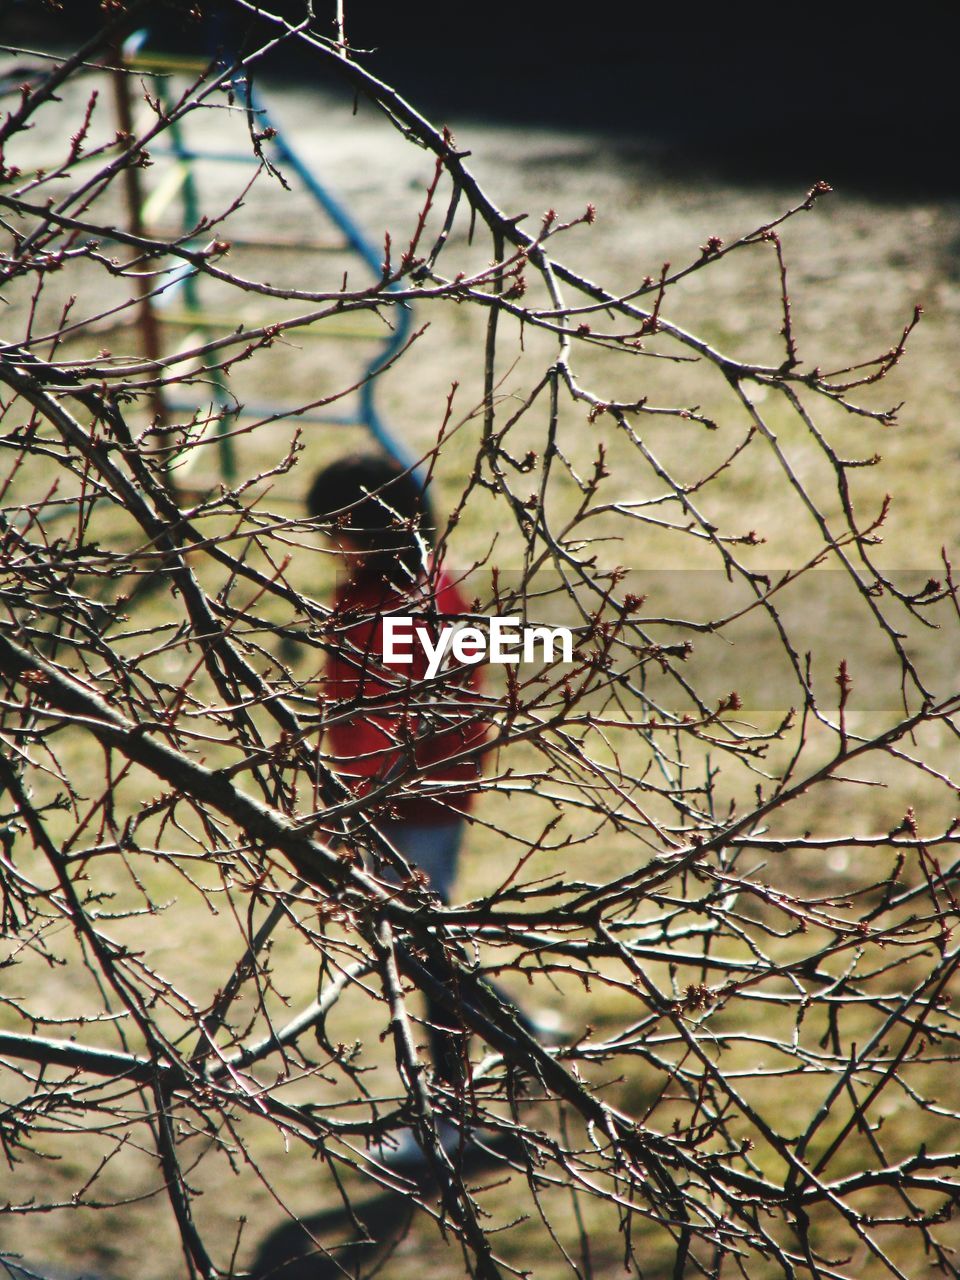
(365, 249)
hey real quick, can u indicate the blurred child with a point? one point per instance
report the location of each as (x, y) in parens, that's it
(381, 521)
(384, 725)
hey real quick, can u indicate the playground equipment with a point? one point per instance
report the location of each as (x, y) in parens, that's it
(182, 306)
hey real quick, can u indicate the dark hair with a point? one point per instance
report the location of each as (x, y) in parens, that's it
(383, 508)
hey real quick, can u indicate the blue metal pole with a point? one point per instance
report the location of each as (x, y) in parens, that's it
(355, 237)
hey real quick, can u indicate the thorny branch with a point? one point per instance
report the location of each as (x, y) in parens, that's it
(658, 837)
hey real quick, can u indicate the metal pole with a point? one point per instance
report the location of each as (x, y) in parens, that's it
(147, 320)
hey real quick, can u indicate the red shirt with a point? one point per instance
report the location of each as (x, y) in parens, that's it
(381, 722)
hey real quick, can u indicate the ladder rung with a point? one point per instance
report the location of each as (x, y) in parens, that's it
(166, 62)
(158, 199)
(254, 242)
(271, 411)
(190, 153)
(316, 329)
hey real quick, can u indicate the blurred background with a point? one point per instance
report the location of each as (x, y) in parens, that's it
(872, 105)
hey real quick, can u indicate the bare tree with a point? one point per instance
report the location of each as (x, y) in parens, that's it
(765, 1088)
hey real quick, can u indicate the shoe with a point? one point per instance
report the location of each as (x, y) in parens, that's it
(401, 1152)
(548, 1027)
(545, 1025)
